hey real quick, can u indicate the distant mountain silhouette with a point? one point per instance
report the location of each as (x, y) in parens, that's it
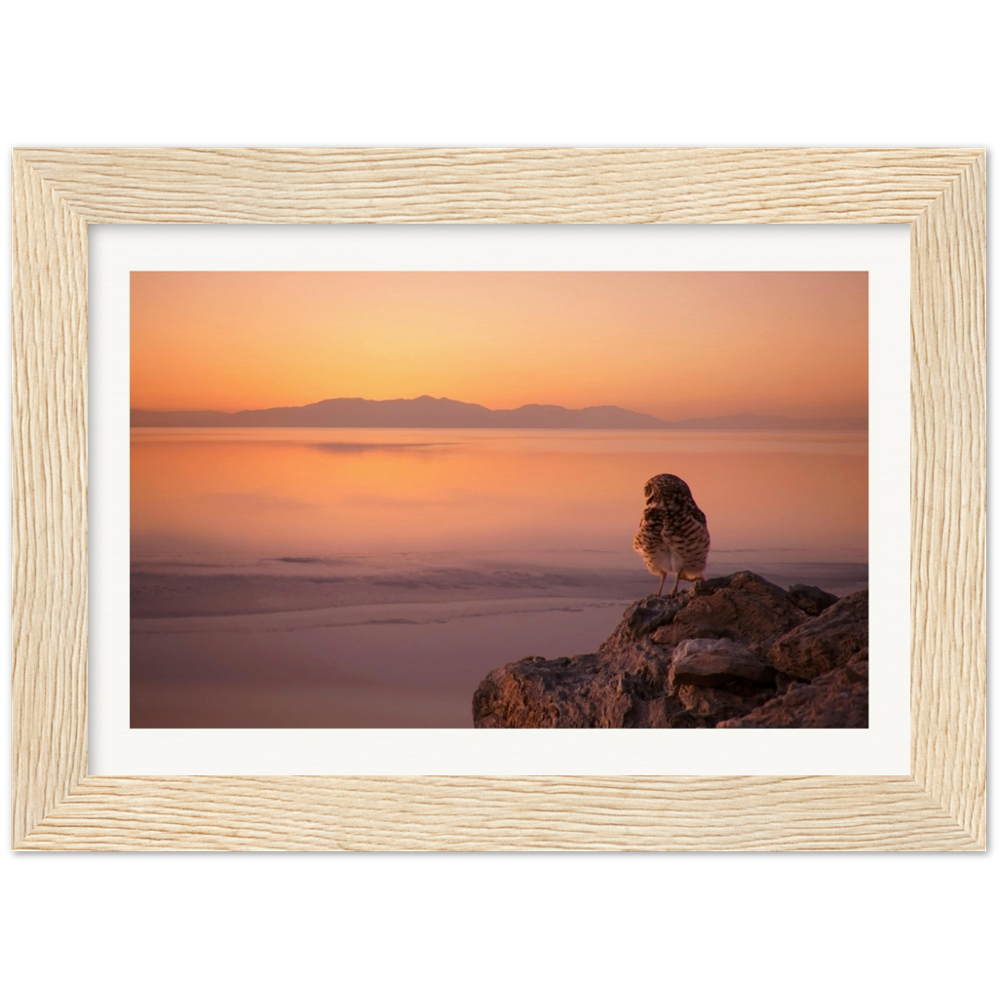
(427, 411)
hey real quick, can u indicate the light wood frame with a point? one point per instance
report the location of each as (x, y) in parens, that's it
(940, 192)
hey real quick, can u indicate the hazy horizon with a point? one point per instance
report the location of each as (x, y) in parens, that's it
(612, 411)
(674, 345)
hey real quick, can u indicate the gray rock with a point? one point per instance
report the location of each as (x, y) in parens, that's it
(716, 663)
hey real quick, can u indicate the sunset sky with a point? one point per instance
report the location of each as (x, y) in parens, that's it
(671, 344)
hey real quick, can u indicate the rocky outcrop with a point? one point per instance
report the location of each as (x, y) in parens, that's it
(826, 642)
(735, 651)
(837, 699)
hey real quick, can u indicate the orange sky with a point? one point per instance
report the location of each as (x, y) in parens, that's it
(672, 344)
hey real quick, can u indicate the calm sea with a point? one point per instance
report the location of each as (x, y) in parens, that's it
(371, 577)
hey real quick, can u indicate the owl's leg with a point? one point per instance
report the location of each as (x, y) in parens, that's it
(677, 580)
(663, 578)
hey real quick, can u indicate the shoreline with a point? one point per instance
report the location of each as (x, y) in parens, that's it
(178, 596)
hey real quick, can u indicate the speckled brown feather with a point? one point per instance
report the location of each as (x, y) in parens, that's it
(673, 532)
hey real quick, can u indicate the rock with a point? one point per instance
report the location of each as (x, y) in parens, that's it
(837, 699)
(689, 720)
(537, 693)
(717, 663)
(710, 706)
(732, 650)
(782, 682)
(825, 642)
(743, 607)
(655, 714)
(575, 692)
(672, 636)
(811, 600)
(647, 615)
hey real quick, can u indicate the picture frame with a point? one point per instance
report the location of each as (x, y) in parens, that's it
(940, 193)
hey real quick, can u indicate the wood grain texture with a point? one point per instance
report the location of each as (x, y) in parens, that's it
(49, 499)
(469, 814)
(948, 499)
(499, 185)
(940, 806)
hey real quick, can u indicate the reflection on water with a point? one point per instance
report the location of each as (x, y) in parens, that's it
(371, 577)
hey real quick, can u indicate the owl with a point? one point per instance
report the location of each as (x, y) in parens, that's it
(673, 533)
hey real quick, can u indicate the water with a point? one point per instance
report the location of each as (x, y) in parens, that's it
(371, 577)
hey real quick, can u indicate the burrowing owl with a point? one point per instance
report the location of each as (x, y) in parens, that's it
(673, 532)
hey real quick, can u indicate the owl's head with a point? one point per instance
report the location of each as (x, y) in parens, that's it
(665, 485)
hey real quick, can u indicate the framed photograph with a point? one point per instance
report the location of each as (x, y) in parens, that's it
(340, 474)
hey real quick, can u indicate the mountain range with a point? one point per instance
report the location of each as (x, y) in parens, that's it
(428, 411)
